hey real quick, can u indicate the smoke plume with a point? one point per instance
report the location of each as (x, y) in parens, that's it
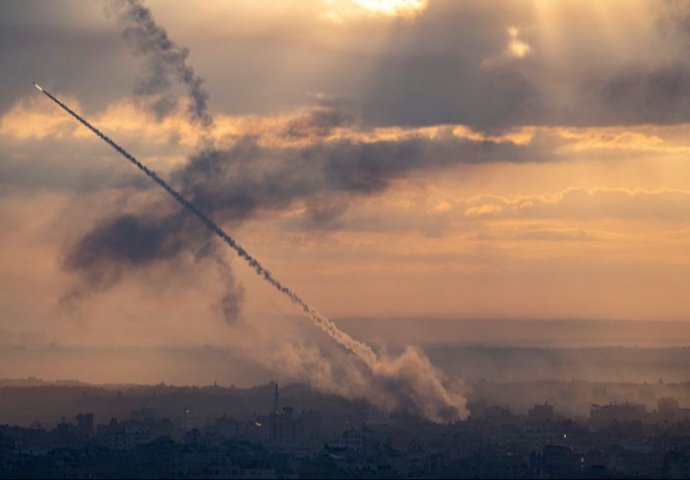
(231, 184)
(411, 375)
(166, 60)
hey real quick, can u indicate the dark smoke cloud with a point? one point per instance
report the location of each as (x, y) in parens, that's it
(122, 242)
(134, 241)
(131, 240)
(232, 300)
(237, 181)
(167, 62)
(234, 184)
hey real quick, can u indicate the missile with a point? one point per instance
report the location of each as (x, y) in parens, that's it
(40, 88)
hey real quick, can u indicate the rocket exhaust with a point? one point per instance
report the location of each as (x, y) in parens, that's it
(360, 349)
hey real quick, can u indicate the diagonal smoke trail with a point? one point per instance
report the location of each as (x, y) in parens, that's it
(362, 350)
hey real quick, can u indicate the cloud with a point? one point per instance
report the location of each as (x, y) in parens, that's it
(234, 184)
(318, 122)
(573, 215)
(553, 69)
(130, 240)
(643, 95)
(392, 7)
(483, 210)
(45, 43)
(534, 76)
(517, 47)
(588, 204)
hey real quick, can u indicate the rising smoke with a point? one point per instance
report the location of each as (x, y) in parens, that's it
(165, 60)
(411, 374)
(237, 181)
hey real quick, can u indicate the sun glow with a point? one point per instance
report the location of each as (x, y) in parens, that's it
(517, 47)
(392, 7)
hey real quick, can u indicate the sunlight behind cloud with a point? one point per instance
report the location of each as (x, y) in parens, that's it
(392, 7)
(517, 47)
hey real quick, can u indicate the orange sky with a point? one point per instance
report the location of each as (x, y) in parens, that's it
(551, 180)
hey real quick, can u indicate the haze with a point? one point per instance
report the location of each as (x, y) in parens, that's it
(431, 172)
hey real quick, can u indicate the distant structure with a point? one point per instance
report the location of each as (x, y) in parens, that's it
(602, 416)
(667, 406)
(84, 427)
(669, 410)
(541, 413)
(285, 430)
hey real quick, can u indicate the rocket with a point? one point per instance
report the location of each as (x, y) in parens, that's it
(360, 349)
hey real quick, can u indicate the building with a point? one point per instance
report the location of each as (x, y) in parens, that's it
(284, 430)
(601, 416)
(541, 413)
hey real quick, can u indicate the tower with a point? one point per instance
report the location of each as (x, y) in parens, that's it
(276, 395)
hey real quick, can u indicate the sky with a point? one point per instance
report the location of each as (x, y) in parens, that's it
(387, 160)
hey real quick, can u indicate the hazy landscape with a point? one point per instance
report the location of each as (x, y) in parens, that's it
(345, 239)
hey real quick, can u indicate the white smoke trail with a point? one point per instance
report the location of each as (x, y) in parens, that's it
(362, 350)
(408, 381)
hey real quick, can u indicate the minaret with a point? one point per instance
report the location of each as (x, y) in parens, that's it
(275, 398)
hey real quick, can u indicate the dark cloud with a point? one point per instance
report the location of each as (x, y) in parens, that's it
(418, 92)
(658, 93)
(44, 42)
(446, 65)
(640, 95)
(319, 121)
(130, 240)
(233, 184)
(324, 212)
(451, 65)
